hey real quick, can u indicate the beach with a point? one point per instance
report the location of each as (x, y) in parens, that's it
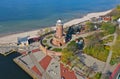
(13, 37)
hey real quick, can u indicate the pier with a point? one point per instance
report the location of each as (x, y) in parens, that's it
(26, 68)
(8, 48)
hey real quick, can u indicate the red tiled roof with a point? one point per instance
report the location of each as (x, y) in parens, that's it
(107, 18)
(34, 68)
(115, 72)
(66, 73)
(35, 50)
(45, 62)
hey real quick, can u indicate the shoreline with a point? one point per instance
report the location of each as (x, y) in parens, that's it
(12, 38)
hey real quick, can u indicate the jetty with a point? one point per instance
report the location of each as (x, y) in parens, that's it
(8, 48)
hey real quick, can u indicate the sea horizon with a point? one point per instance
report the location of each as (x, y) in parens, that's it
(20, 16)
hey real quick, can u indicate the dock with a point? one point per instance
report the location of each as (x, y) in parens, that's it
(26, 68)
(6, 49)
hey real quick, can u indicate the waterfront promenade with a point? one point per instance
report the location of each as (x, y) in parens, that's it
(38, 65)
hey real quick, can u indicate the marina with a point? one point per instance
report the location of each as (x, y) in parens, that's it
(59, 39)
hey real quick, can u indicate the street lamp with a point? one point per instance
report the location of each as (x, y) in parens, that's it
(118, 22)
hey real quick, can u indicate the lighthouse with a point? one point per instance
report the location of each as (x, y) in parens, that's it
(59, 29)
(59, 38)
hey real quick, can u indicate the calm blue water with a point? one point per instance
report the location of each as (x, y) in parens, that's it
(9, 70)
(23, 15)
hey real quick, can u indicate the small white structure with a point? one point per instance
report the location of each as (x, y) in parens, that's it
(59, 21)
(23, 41)
(95, 27)
(118, 22)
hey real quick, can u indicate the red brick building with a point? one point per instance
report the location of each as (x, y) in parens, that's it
(59, 38)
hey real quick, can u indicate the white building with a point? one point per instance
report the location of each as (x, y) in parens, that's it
(118, 22)
(23, 41)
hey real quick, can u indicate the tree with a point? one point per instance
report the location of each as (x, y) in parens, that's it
(118, 7)
(96, 48)
(108, 27)
(90, 26)
(72, 46)
(67, 56)
(115, 13)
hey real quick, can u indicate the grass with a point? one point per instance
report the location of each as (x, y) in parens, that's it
(57, 49)
(116, 51)
(109, 39)
(44, 41)
(98, 52)
(95, 48)
(97, 76)
(108, 27)
(115, 13)
(48, 37)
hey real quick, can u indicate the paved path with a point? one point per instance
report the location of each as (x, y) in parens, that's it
(107, 65)
(44, 73)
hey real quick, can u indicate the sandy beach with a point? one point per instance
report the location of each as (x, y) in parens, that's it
(13, 38)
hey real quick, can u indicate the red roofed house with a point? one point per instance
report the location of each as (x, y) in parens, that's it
(106, 18)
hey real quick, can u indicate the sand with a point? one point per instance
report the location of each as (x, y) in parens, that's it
(13, 38)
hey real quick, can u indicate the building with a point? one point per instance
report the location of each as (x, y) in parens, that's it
(23, 41)
(116, 73)
(118, 22)
(33, 39)
(59, 38)
(105, 18)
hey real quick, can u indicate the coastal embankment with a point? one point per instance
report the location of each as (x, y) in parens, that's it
(13, 38)
(25, 68)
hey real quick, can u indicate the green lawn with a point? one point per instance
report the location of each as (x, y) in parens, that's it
(96, 48)
(116, 50)
(57, 49)
(109, 39)
(44, 41)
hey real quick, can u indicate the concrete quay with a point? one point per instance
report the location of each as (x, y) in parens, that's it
(26, 68)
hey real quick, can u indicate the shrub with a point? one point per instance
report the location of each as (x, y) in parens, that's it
(96, 48)
(72, 46)
(57, 49)
(116, 51)
(67, 56)
(48, 37)
(44, 41)
(108, 27)
(97, 76)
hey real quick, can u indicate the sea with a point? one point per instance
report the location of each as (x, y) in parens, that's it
(24, 15)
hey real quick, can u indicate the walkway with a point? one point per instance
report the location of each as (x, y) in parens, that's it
(40, 68)
(107, 65)
(7, 48)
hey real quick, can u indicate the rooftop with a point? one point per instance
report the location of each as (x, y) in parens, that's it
(52, 66)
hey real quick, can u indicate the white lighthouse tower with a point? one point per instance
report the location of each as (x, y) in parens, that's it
(118, 22)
